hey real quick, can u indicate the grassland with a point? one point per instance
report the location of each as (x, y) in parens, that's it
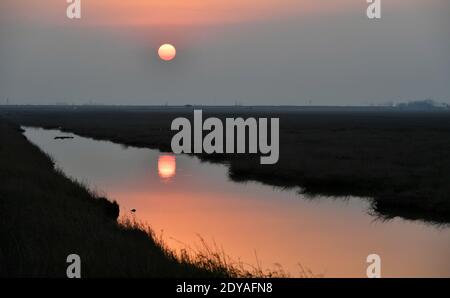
(398, 159)
(44, 217)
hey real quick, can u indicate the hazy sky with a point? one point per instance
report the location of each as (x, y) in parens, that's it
(247, 51)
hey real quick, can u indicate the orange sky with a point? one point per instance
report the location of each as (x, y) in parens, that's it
(185, 12)
(157, 12)
(250, 51)
(175, 12)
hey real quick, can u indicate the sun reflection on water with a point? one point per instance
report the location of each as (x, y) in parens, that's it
(167, 166)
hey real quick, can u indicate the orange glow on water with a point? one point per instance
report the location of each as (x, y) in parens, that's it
(167, 166)
(253, 223)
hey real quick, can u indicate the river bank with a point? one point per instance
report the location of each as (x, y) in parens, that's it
(45, 217)
(396, 158)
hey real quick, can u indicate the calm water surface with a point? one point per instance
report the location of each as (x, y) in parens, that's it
(184, 198)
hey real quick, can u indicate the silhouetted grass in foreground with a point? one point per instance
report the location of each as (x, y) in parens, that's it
(211, 258)
(44, 217)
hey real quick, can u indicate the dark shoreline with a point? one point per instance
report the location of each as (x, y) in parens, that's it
(45, 216)
(398, 158)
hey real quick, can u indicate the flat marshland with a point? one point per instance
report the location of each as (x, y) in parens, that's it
(398, 159)
(45, 216)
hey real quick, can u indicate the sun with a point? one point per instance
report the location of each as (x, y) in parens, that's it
(167, 52)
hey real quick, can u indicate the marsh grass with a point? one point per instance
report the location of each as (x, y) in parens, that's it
(45, 216)
(400, 159)
(207, 256)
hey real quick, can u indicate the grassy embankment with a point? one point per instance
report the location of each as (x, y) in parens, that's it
(44, 217)
(398, 159)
